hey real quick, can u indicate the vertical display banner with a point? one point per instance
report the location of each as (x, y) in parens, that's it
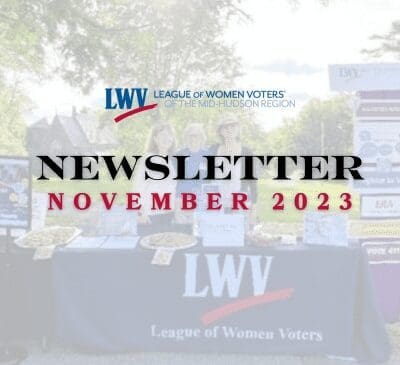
(377, 141)
(376, 133)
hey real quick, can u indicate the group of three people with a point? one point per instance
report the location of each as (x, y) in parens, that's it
(162, 142)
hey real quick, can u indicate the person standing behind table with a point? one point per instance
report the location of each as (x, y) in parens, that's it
(228, 131)
(194, 138)
(161, 142)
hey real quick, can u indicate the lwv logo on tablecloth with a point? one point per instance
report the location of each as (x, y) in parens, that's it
(225, 275)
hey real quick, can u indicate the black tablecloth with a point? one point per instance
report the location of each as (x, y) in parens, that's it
(26, 296)
(317, 301)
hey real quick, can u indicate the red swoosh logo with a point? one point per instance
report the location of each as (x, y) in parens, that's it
(245, 303)
(127, 114)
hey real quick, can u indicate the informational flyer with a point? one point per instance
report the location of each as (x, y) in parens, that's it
(15, 192)
(378, 142)
(199, 182)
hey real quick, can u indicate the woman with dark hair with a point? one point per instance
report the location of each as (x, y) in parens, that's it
(162, 140)
(230, 144)
(161, 143)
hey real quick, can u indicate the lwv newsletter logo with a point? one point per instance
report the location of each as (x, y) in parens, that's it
(133, 100)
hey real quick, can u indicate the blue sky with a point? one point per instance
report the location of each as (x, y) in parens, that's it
(290, 48)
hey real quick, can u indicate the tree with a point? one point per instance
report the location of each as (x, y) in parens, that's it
(159, 42)
(13, 129)
(389, 43)
(116, 42)
(321, 127)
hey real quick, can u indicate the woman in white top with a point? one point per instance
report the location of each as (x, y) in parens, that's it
(162, 143)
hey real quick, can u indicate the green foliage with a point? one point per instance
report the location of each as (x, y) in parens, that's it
(388, 43)
(289, 189)
(21, 37)
(159, 43)
(322, 126)
(118, 42)
(266, 189)
(12, 134)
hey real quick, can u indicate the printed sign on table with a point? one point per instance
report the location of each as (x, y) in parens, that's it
(325, 229)
(15, 192)
(221, 230)
(86, 243)
(383, 206)
(117, 221)
(378, 142)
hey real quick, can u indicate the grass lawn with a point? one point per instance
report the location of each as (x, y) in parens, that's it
(265, 201)
(311, 189)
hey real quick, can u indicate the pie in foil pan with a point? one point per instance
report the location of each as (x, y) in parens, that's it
(49, 236)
